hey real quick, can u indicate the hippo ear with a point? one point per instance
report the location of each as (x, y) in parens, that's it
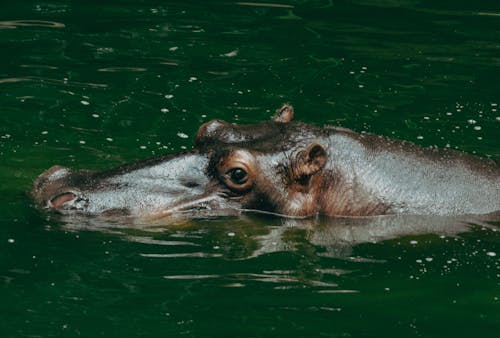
(284, 114)
(310, 161)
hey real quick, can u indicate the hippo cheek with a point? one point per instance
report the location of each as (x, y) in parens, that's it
(212, 204)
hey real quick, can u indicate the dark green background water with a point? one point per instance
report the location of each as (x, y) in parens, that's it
(92, 84)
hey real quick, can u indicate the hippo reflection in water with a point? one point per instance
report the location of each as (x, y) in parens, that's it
(284, 167)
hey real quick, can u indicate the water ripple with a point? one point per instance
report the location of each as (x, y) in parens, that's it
(149, 240)
(181, 255)
(13, 24)
(52, 81)
(122, 69)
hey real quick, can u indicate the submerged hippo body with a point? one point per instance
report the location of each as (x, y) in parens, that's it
(283, 167)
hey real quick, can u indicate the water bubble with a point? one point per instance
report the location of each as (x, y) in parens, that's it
(231, 234)
(82, 142)
(164, 110)
(169, 96)
(95, 115)
(231, 54)
(182, 135)
(11, 240)
(413, 242)
(491, 253)
(85, 103)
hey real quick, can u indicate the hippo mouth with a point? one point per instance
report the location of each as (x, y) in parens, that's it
(69, 200)
(204, 206)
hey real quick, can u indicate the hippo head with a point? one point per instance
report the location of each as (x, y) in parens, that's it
(275, 166)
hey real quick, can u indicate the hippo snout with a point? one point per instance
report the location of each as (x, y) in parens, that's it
(50, 189)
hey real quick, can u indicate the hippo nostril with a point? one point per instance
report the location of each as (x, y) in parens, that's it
(56, 172)
(59, 200)
(52, 174)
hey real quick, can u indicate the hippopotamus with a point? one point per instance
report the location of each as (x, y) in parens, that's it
(282, 167)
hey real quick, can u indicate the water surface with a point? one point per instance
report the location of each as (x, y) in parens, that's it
(88, 84)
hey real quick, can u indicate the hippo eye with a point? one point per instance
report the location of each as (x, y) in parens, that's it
(238, 176)
(236, 170)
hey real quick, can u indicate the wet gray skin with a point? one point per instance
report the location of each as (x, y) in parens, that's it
(283, 167)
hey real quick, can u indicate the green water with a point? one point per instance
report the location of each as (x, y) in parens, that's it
(93, 84)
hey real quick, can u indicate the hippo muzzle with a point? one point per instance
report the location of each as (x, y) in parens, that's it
(150, 189)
